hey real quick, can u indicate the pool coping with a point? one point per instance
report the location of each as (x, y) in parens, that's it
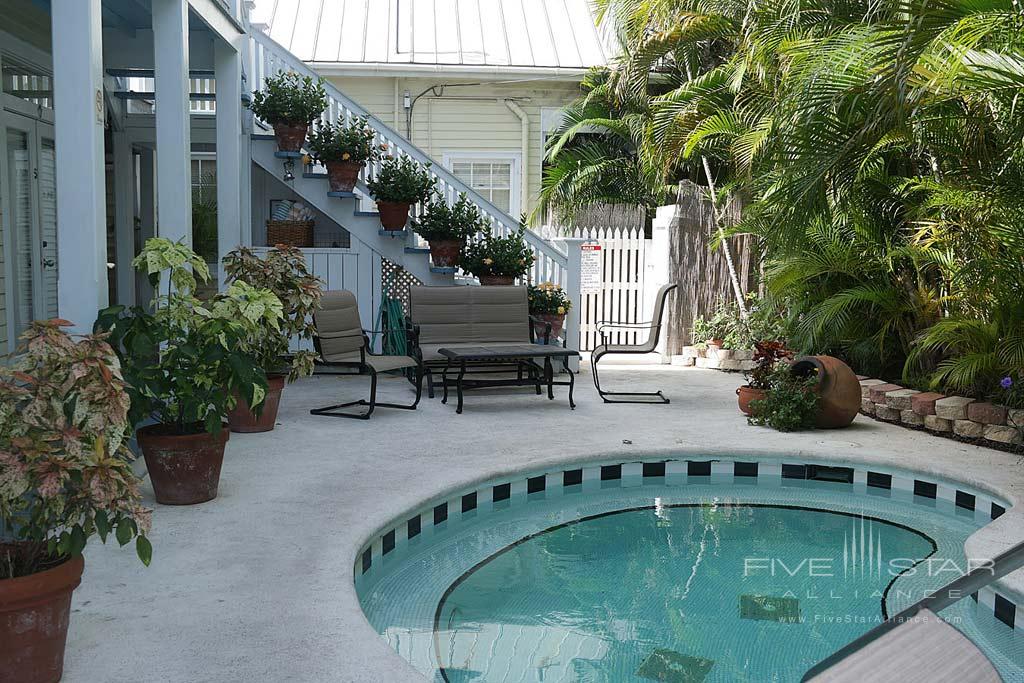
(994, 537)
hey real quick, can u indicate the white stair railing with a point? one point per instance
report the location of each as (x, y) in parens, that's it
(270, 58)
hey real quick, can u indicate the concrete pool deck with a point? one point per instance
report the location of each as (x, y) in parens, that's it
(257, 584)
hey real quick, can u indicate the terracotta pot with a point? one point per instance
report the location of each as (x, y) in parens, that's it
(838, 387)
(34, 614)
(393, 215)
(496, 280)
(746, 394)
(241, 417)
(557, 321)
(342, 175)
(184, 468)
(715, 344)
(290, 136)
(446, 253)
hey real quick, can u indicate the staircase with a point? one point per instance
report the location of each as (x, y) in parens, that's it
(401, 247)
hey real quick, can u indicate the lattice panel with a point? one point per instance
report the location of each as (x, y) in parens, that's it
(396, 281)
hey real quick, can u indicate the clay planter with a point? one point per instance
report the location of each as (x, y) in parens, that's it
(715, 344)
(184, 468)
(838, 387)
(557, 321)
(242, 419)
(393, 215)
(446, 253)
(342, 175)
(34, 614)
(497, 280)
(746, 394)
(290, 136)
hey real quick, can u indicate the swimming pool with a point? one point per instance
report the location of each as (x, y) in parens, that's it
(700, 570)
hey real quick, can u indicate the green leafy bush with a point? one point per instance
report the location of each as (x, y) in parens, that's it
(289, 98)
(65, 467)
(340, 142)
(548, 298)
(791, 403)
(491, 255)
(402, 180)
(443, 221)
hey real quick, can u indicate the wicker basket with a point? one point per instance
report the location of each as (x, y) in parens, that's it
(293, 233)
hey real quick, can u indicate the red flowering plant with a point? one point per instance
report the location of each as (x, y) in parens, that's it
(767, 354)
(65, 468)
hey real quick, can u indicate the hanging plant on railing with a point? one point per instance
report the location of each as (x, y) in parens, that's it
(344, 150)
(400, 183)
(498, 260)
(289, 102)
(446, 227)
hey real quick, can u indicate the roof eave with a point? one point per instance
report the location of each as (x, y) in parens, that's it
(481, 71)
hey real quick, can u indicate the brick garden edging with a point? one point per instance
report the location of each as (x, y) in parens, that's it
(957, 417)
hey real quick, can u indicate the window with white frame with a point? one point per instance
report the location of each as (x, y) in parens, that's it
(493, 176)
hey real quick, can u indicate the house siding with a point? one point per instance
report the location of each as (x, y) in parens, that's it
(467, 118)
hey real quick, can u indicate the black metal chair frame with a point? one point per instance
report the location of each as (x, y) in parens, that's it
(363, 368)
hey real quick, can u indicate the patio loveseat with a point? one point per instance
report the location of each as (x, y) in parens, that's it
(442, 317)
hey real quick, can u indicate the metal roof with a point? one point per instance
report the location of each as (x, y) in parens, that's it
(468, 34)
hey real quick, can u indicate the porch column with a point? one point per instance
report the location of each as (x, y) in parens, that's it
(81, 192)
(228, 74)
(147, 215)
(571, 285)
(173, 137)
(124, 217)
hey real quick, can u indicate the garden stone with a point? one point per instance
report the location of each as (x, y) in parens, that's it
(924, 403)
(867, 406)
(690, 352)
(720, 354)
(900, 399)
(986, 413)
(866, 384)
(968, 428)
(1015, 417)
(700, 362)
(884, 412)
(877, 392)
(743, 354)
(685, 361)
(953, 407)
(1002, 434)
(938, 424)
(732, 364)
(909, 417)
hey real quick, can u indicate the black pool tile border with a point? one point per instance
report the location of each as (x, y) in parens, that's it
(1005, 610)
(926, 489)
(654, 469)
(611, 472)
(413, 527)
(367, 560)
(536, 484)
(997, 510)
(965, 500)
(572, 477)
(794, 471)
(698, 468)
(501, 492)
(387, 542)
(879, 480)
(744, 469)
(440, 513)
(837, 475)
(469, 501)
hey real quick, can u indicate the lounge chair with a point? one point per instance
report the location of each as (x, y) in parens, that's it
(654, 327)
(341, 342)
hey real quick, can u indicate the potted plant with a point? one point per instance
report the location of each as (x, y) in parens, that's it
(65, 476)
(400, 183)
(791, 402)
(283, 272)
(184, 362)
(766, 355)
(344, 150)
(289, 102)
(498, 260)
(548, 306)
(446, 227)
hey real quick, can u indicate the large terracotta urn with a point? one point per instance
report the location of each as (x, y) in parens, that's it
(838, 387)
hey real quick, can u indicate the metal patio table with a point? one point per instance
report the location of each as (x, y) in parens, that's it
(520, 355)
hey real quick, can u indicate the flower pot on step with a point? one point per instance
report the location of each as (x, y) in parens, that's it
(184, 468)
(393, 215)
(290, 136)
(342, 175)
(746, 394)
(34, 614)
(557, 321)
(715, 344)
(446, 253)
(497, 280)
(242, 419)
(838, 387)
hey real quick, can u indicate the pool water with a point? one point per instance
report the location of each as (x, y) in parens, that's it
(643, 582)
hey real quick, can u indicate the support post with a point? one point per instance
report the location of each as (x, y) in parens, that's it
(124, 218)
(173, 137)
(228, 74)
(657, 257)
(572, 290)
(147, 214)
(81, 192)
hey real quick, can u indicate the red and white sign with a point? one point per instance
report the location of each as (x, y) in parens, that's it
(591, 268)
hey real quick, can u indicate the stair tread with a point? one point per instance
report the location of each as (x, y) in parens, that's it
(315, 176)
(358, 212)
(262, 136)
(343, 195)
(287, 155)
(417, 250)
(392, 233)
(445, 271)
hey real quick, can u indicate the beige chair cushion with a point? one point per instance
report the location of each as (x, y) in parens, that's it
(469, 315)
(378, 363)
(337, 324)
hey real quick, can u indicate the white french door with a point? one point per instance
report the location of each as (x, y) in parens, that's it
(28, 217)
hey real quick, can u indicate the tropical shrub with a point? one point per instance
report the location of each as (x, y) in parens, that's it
(65, 468)
(403, 181)
(344, 142)
(443, 221)
(767, 357)
(790, 404)
(183, 360)
(488, 254)
(548, 298)
(283, 273)
(289, 98)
